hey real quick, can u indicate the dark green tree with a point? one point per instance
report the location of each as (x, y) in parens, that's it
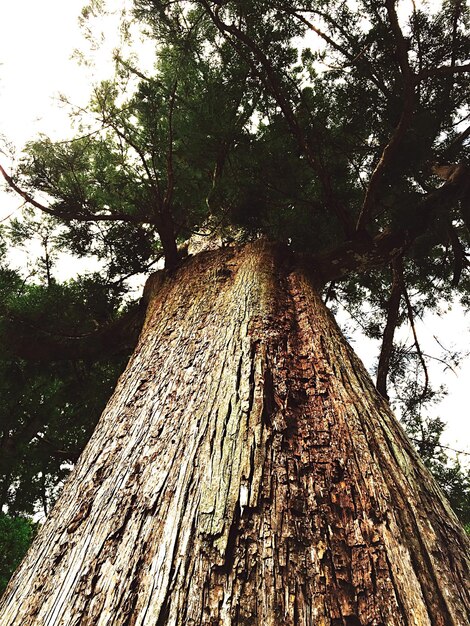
(16, 534)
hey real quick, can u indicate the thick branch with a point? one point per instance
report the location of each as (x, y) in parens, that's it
(455, 145)
(29, 199)
(375, 79)
(331, 42)
(351, 58)
(393, 310)
(163, 223)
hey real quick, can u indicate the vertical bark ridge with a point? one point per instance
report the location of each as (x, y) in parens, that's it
(245, 471)
(417, 512)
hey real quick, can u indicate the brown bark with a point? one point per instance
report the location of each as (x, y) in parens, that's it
(245, 471)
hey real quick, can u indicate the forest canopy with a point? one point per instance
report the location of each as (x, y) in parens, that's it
(320, 126)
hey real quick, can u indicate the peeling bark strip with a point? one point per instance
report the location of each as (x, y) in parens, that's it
(245, 471)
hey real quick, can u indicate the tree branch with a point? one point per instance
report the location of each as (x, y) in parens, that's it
(26, 197)
(456, 143)
(331, 42)
(443, 71)
(170, 169)
(348, 38)
(32, 343)
(87, 216)
(393, 310)
(460, 259)
(409, 97)
(109, 121)
(362, 254)
(417, 346)
(271, 81)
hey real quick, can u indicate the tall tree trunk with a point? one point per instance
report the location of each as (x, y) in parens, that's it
(245, 471)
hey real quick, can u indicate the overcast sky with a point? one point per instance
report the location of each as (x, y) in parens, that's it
(37, 40)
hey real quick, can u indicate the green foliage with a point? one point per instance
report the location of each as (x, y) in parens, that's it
(50, 404)
(16, 534)
(454, 479)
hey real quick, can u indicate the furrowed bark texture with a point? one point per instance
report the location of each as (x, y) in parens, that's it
(244, 472)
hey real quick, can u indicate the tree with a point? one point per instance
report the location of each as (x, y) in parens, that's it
(246, 470)
(50, 406)
(15, 536)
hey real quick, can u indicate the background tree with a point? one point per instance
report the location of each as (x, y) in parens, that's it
(247, 132)
(15, 536)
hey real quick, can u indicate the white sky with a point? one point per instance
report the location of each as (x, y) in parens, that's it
(37, 40)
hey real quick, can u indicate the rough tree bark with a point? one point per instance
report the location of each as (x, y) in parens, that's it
(245, 471)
